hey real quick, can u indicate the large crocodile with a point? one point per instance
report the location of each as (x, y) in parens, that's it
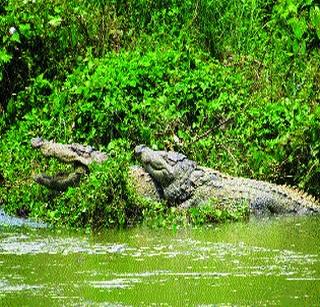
(185, 184)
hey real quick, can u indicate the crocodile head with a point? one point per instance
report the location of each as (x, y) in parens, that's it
(37, 142)
(161, 165)
(171, 170)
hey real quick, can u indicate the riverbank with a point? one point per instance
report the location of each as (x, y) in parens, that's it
(233, 86)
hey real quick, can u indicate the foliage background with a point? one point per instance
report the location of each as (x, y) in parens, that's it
(235, 85)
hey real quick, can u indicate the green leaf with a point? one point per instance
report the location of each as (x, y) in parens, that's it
(315, 19)
(25, 30)
(292, 7)
(303, 47)
(55, 21)
(4, 56)
(299, 26)
(15, 37)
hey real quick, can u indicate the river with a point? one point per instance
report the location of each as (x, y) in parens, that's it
(264, 262)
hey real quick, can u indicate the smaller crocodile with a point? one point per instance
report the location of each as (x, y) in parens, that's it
(185, 184)
(79, 155)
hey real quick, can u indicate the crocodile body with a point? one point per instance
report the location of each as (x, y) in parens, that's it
(185, 184)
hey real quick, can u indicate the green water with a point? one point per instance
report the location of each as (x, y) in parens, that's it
(261, 263)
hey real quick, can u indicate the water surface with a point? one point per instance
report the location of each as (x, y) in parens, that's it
(262, 263)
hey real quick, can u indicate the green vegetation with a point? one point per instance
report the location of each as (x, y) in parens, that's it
(234, 85)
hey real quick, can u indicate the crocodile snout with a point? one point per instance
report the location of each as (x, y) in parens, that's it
(36, 142)
(144, 154)
(139, 149)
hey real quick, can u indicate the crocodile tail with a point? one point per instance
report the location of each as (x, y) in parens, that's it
(307, 202)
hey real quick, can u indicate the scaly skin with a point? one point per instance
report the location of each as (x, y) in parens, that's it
(143, 184)
(185, 184)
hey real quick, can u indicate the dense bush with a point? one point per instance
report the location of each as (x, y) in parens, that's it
(49, 38)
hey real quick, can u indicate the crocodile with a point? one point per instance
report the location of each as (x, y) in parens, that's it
(184, 184)
(77, 154)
